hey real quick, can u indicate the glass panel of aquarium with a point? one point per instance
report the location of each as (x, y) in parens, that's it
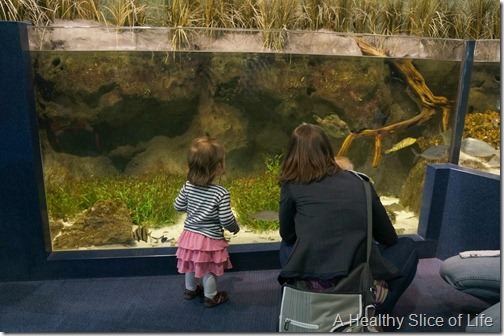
(119, 107)
(480, 144)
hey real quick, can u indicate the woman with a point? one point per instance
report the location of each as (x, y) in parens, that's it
(323, 221)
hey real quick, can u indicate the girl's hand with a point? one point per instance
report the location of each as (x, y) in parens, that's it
(233, 228)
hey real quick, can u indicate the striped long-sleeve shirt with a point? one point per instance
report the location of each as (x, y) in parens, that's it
(208, 209)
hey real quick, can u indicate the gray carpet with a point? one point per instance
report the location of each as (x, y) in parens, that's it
(155, 304)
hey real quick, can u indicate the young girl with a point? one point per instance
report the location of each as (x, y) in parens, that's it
(202, 250)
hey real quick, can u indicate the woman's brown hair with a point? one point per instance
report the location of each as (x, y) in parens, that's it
(309, 156)
(205, 160)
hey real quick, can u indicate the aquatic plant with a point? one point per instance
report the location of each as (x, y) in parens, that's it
(149, 199)
(70, 10)
(24, 10)
(318, 14)
(241, 14)
(273, 18)
(124, 13)
(179, 15)
(426, 18)
(250, 195)
(216, 13)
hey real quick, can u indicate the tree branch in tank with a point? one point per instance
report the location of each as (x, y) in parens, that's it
(429, 104)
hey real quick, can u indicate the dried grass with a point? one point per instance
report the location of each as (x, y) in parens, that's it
(464, 19)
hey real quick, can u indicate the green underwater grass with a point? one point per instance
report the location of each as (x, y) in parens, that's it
(257, 193)
(150, 199)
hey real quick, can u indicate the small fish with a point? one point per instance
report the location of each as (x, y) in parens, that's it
(333, 125)
(401, 144)
(266, 215)
(162, 239)
(394, 207)
(446, 135)
(141, 233)
(494, 162)
(379, 118)
(434, 153)
(391, 215)
(478, 148)
(475, 164)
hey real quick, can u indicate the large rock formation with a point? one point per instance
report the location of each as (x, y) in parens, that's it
(106, 223)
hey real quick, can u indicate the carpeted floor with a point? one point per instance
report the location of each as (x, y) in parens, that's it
(155, 304)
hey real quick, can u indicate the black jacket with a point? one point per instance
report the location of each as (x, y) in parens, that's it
(327, 223)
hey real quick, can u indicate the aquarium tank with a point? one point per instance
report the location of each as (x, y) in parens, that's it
(118, 108)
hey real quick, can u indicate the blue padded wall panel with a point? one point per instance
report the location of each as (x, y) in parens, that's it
(435, 184)
(471, 216)
(21, 231)
(460, 210)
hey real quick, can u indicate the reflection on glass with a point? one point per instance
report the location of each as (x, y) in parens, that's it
(115, 127)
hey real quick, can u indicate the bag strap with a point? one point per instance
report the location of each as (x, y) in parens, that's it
(367, 188)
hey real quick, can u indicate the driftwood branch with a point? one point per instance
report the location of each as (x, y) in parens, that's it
(428, 103)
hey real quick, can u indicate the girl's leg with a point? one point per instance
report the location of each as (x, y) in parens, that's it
(192, 289)
(209, 285)
(190, 281)
(212, 296)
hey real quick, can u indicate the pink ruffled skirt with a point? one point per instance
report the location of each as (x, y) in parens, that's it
(200, 254)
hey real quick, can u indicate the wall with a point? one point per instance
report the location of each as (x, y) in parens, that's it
(460, 209)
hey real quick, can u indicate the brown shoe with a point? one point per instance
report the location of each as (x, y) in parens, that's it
(191, 294)
(219, 298)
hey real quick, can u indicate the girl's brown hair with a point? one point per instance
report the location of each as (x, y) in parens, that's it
(205, 160)
(309, 156)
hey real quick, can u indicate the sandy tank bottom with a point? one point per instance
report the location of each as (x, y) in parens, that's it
(406, 223)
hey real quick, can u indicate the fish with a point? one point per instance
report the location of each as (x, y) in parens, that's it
(333, 125)
(379, 118)
(391, 215)
(433, 153)
(141, 233)
(394, 207)
(478, 148)
(401, 144)
(494, 162)
(470, 161)
(163, 239)
(377, 151)
(266, 215)
(446, 136)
